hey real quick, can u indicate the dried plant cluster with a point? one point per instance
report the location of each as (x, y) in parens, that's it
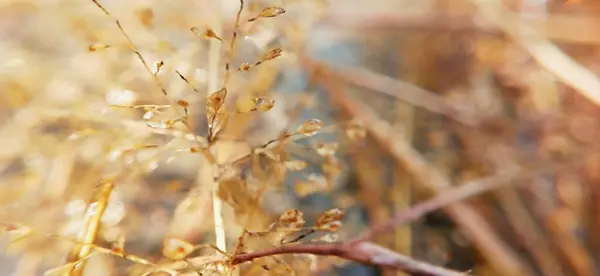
(141, 138)
(239, 181)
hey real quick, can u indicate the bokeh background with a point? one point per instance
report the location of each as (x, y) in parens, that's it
(477, 88)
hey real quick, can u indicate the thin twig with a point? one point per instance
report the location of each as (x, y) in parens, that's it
(181, 76)
(363, 252)
(236, 28)
(154, 76)
(454, 195)
(133, 48)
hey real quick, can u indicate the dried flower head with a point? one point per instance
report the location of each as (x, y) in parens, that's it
(244, 67)
(159, 64)
(176, 249)
(313, 184)
(263, 104)
(210, 33)
(97, 47)
(291, 219)
(328, 149)
(216, 117)
(272, 54)
(330, 220)
(183, 104)
(268, 12)
(215, 102)
(162, 124)
(310, 127)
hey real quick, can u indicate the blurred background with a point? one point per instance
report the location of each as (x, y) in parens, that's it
(473, 88)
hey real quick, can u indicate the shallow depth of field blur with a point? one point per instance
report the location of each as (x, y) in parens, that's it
(477, 90)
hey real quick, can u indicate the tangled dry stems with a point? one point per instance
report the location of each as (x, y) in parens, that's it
(234, 190)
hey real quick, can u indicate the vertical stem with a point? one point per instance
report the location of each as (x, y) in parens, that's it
(91, 226)
(214, 55)
(218, 220)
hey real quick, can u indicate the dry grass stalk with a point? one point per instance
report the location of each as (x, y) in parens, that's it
(89, 232)
(214, 55)
(153, 154)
